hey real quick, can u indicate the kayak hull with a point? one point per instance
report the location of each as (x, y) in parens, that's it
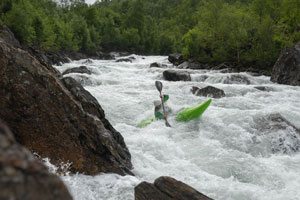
(194, 112)
(146, 122)
(185, 115)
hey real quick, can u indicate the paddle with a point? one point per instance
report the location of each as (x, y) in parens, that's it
(159, 86)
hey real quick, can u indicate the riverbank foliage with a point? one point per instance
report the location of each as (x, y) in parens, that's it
(213, 31)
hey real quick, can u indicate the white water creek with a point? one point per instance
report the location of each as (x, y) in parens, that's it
(226, 154)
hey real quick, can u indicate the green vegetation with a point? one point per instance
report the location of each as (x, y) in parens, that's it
(239, 31)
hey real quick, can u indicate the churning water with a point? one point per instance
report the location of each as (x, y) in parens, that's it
(234, 151)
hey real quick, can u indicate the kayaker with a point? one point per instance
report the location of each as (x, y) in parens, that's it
(158, 110)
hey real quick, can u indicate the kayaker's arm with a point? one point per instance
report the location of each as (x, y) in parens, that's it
(159, 115)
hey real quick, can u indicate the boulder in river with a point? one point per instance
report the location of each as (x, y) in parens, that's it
(208, 91)
(55, 120)
(176, 59)
(24, 177)
(287, 68)
(158, 65)
(129, 59)
(167, 188)
(81, 70)
(173, 75)
(236, 79)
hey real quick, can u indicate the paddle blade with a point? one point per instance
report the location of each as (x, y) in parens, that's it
(158, 85)
(167, 124)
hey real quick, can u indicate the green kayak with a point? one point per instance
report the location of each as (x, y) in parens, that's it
(184, 115)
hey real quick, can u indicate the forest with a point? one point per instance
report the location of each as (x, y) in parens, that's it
(245, 32)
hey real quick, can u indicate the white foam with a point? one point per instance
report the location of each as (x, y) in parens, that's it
(219, 154)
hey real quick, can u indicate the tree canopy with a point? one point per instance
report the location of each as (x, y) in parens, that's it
(239, 31)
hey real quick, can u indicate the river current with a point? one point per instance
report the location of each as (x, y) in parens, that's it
(233, 152)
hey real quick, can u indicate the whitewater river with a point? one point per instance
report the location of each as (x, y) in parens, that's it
(232, 152)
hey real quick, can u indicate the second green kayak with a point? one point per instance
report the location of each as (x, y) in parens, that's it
(184, 115)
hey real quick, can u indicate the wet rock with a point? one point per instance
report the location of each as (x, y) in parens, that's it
(263, 88)
(129, 59)
(172, 75)
(176, 59)
(158, 65)
(8, 36)
(54, 121)
(236, 79)
(80, 70)
(100, 55)
(167, 188)
(192, 65)
(88, 61)
(287, 68)
(24, 177)
(208, 91)
(283, 136)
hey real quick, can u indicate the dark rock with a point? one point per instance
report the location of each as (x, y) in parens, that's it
(55, 122)
(208, 91)
(172, 75)
(287, 68)
(8, 36)
(192, 65)
(129, 59)
(24, 177)
(176, 59)
(88, 61)
(100, 55)
(81, 70)
(167, 188)
(263, 88)
(158, 65)
(236, 79)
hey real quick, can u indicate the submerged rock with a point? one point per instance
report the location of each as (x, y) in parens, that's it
(81, 70)
(129, 59)
(208, 91)
(236, 79)
(54, 121)
(287, 68)
(167, 188)
(283, 136)
(263, 88)
(158, 65)
(24, 177)
(172, 75)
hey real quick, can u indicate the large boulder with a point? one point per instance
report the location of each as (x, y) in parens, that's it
(167, 188)
(287, 68)
(50, 120)
(22, 177)
(176, 59)
(173, 75)
(80, 70)
(208, 91)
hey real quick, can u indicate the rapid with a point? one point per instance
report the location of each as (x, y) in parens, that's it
(232, 152)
